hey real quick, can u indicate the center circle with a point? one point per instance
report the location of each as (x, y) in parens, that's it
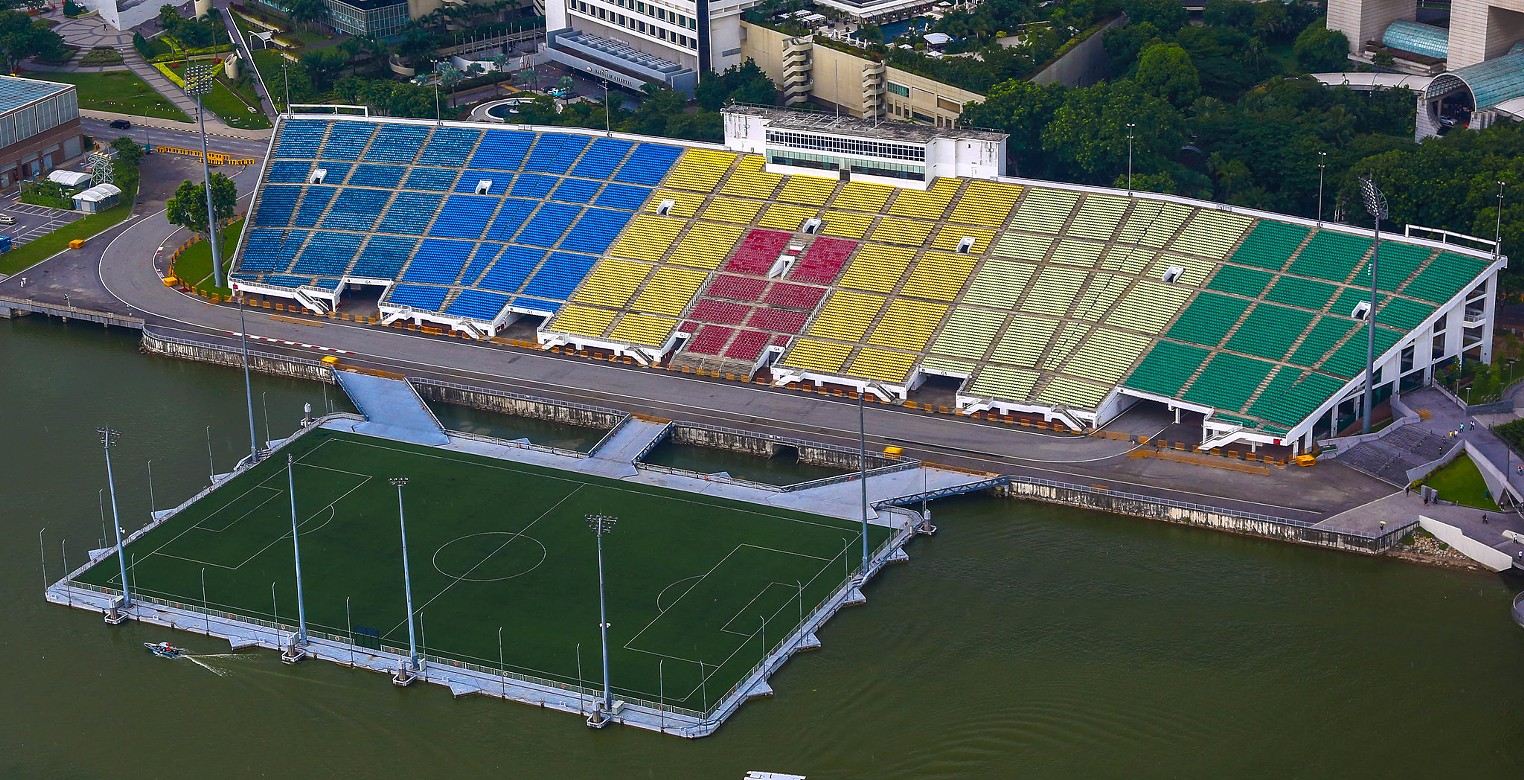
(489, 556)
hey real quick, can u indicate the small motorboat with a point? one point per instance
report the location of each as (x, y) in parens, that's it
(163, 649)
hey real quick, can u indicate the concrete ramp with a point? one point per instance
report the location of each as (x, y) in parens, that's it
(615, 456)
(844, 499)
(392, 408)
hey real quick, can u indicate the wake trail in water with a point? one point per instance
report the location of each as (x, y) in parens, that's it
(206, 666)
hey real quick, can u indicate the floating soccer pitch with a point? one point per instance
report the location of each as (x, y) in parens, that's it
(705, 594)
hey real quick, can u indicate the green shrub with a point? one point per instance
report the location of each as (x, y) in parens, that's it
(101, 56)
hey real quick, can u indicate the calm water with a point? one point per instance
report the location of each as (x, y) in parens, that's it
(1021, 641)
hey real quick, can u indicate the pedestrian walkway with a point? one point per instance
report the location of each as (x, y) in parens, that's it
(392, 408)
(615, 456)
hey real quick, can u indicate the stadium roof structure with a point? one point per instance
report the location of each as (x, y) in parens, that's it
(17, 92)
(1036, 297)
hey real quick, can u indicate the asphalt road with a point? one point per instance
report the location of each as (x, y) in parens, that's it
(121, 271)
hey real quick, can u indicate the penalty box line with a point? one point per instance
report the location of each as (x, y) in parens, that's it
(714, 668)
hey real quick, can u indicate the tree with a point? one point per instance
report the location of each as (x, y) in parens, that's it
(1321, 50)
(1021, 109)
(128, 150)
(323, 67)
(1167, 16)
(187, 208)
(744, 83)
(1165, 71)
(21, 38)
(306, 12)
(1088, 135)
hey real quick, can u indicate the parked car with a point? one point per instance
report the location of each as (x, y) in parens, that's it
(6, 219)
(120, 124)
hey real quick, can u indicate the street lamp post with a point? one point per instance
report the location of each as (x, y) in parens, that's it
(862, 476)
(248, 387)
(1322, 166)
(1130, 127)
(602, 524)
(1375, 205)
(405, 676)
(1497, 235)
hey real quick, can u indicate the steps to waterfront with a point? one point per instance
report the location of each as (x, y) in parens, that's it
(392, 408)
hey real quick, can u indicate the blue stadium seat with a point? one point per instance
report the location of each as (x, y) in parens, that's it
(356, 208)
(275, 206)
(532, 185)
(576, 190)
(288, 172)
(334, 171)
(437, 262)
(596, 230)
(510, 270)
(397, 143)
(300, 138)
(464, 216)
(383, 257)
(560, 274)
(271, 250)
(417, 296)
(437, 179)
(480, 259)
(328, 254)
(280, 280)
(503, 150)
(387, 176)
(477, 304)
(648, 164)
(314, 201)
(548, 224)
(602, 158)
(410, 214)
(555, 152)
(449, 146)
(510, 218)
(623, 196)
(347, 140)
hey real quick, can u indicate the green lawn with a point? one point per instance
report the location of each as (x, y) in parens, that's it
(119, 91)
(494, 544)
(233, 110)
(44, 247)
(194, 267)
(1461, 482)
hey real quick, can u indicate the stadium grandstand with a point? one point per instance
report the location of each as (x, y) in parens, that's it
(836, 252)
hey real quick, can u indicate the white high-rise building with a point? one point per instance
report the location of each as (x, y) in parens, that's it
(635, 42)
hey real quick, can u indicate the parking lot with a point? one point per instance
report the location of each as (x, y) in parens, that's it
(32, 221)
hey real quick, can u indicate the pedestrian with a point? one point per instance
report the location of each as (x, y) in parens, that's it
(1484, 518)
(1383, 526)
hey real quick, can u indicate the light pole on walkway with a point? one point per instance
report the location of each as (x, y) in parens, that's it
(296, 550)
(407, 580)
(1322, 166)
(603, 524)
(107, 436)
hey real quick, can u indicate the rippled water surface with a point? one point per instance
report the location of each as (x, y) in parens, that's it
(1021, 641)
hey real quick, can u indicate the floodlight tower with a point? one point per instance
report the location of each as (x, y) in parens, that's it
(406, 675)
(297, 650)
(107, 436)
(1130, 127)
(1375, 205)
(602, 524)
(198, 82)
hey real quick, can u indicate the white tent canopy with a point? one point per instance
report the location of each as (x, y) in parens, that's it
(98, 193)
(69, 178)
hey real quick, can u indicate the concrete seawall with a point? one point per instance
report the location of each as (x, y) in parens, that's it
(263, 362)
(1200, 515)
(765, 446)
(519, 405)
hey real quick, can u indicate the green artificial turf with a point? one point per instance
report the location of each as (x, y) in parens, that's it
(1460, 481)
(500, 545)
(119, 91)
